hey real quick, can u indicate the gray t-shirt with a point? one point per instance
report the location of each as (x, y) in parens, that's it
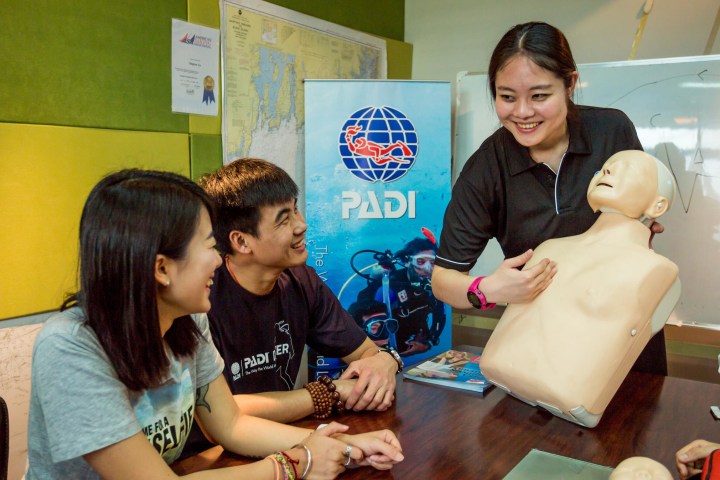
(78, 405)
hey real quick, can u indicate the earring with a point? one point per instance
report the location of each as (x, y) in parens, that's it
(167, 284)
(659, 205)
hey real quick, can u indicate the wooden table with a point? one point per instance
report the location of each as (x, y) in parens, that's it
(454, 434)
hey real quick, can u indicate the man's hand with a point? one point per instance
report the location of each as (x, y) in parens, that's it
(344, 388)
(689, 460)
(375, 385)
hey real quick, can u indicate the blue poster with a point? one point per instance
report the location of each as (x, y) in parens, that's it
(377, 181)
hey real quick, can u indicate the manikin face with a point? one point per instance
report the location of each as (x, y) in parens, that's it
(281, 236)
(640, 468)
(191, 277)
(626, 183)
(532, 103)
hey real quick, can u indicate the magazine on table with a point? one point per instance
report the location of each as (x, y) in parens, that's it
(453, 368)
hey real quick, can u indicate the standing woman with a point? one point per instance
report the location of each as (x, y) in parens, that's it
(528, 181)
(120, 372)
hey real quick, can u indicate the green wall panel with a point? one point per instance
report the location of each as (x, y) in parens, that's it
(91, 63)
(205, 154)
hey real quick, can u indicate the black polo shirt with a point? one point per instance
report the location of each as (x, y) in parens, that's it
(503, 193)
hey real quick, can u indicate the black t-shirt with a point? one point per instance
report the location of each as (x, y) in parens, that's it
(503, 193)
(261, 338)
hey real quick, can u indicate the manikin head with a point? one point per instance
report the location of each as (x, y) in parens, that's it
(640, 468)
(632, 183)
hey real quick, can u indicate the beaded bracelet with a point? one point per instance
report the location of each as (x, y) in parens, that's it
(286, 463)
(325, 397)
(276, 467)
(292, 463)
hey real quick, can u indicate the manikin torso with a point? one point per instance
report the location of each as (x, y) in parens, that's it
(605, 292)
(570, 348)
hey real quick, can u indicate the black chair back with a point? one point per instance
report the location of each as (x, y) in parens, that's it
(4, 439)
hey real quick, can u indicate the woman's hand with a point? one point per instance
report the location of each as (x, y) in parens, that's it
(380, 449)
(328, 453)
(510, 285)
(689, 460)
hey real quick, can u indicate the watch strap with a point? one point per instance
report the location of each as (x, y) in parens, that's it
(394, 354)
(474, 290)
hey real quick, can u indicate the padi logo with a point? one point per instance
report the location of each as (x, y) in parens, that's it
(197, 40)
(235, 369)
(378, 144)
(394, 204)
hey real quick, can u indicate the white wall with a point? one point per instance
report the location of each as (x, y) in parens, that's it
(457, 35)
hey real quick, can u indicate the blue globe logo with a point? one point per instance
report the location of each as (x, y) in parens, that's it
(378, 144)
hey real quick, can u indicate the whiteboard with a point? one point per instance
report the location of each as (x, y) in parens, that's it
(675, 106)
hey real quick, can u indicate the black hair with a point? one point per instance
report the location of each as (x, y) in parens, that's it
(362, 308)
(544, 44)
(240, 189)
(129, 218)
(414, 246)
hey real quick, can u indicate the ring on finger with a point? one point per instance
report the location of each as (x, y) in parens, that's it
(348, 449)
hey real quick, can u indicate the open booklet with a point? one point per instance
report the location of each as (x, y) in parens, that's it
(452, 368)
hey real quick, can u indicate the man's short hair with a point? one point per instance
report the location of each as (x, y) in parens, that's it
(240, 189)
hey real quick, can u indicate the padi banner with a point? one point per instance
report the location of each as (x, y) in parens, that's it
(377, 181)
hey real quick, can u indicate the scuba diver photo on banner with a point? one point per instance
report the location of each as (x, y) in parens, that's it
(377, 181)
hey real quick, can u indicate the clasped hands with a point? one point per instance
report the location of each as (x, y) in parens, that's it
(333, 450)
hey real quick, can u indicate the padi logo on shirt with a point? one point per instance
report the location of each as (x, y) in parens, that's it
(235, 370)
(259, 362)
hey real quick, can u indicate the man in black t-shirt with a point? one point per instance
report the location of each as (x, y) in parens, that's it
(267, 304)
